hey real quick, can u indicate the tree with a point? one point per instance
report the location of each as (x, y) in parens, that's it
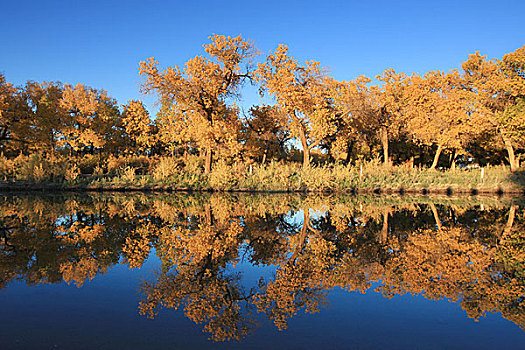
(265, 136)
(94, 119)
(302, 92)
(138, 126)
(500, 85)
(196, 97)
(355, 108)
(389, 102)
(14, 116)
(438, 111)
(47, 116)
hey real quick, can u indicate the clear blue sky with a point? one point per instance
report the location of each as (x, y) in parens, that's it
(100, 43)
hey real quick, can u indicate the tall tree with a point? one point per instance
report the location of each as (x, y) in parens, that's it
(356, 115)
(438, 111)
(14, 116)
(389, 102)
(94, 119)
(500, 85)
(47, 116)
(197, 96)
(302, 92)
(138, 126)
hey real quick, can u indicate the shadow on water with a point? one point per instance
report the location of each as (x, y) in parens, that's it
(465, 249)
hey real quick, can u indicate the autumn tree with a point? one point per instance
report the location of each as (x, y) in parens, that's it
(138, 126)
(14, 116)
(94, 119)
(438, 111)
(197, 96)
(500, 86)
(352, 100)
(389, 102)
(265, 136)
(6, 93)
(302, 92)
(47, 116)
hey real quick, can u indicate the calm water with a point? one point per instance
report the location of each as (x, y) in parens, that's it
(268, 271)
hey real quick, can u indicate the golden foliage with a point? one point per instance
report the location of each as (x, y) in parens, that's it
(195, 99)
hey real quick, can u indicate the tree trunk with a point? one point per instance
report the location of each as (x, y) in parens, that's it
(510, 151)
(306, 150)
(207, 163)
(510, 221)
(453, 160)
(384, 230)
(436, 157)
(302, 236)
(349, 149)
(384, 143)
(436, 215)
(306, 157)
(264, 155)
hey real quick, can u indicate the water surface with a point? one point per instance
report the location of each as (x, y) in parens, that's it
(261, 271)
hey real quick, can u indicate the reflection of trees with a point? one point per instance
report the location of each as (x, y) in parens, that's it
(194, 275)
(47, 242)
(470, 253)
(298, 282)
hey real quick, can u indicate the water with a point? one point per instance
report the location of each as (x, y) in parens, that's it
(261, 271)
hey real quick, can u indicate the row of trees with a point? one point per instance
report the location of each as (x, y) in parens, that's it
(478, 110)
(484, 104)
(53, 117)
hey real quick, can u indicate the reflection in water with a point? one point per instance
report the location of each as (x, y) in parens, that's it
(468, 251)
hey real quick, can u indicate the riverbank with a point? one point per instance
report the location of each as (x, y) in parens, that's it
(277, 177)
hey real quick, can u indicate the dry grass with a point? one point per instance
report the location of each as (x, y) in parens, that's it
(187, 173)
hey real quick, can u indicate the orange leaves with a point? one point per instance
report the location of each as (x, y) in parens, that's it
(231, 51)
(92, 118)
(194, 100)
(302, 92)
(79, 99)
(438, 110)
(138, 126)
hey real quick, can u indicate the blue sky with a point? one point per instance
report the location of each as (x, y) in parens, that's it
(100, 43)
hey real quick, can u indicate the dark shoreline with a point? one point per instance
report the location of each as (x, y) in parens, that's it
(51, 187)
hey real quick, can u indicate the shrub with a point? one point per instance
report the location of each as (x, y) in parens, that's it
(7, 168)
(87, 163)
(72, 173)
(221, 177)
(164, 168)
(128, 174)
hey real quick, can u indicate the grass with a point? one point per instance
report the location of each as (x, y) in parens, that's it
(173, 174)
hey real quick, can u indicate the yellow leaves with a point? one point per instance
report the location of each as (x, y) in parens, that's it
(302, 92)
(79, 232)
(138, 126)
(230, 51)
(183, 246)
(79, 99)
(136, 248)
(79, 271)
(195, 100)
(437, 110)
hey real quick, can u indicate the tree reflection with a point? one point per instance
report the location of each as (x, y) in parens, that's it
(466, 252)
